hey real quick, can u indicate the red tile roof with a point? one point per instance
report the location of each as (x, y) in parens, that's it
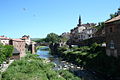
(113, 19)
(3, 37)
(24, 38)
(17, 40)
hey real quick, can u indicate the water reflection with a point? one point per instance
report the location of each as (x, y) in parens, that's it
(43, 54)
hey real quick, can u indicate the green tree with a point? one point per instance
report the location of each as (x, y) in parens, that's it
(63, 39)
(52, 38)
(2, 56)
(40, 40)
(8, 50)
(100, 25)
(113, 15)
(5, 52)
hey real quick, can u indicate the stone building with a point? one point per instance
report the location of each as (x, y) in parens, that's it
(112, 29)
(4, 40)
(100, 33)
(26, 39)
(30, 45)
(64, 38)
(19, 48)
(82, 32)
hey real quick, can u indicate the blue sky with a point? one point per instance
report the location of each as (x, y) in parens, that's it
(37, 18)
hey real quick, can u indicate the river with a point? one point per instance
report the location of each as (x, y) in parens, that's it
(59, 64)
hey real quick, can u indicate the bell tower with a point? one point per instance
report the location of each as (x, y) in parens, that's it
(79, 21)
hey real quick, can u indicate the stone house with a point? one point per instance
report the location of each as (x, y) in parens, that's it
(100, 33)
(29, 45)
(26, 39)
(82, 32)
(4, 40)
(19, 48)
(112, 29)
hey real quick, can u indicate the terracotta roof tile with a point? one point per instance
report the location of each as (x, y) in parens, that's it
(113, 19)
(3, 37)
(17, 40)
(24, 38)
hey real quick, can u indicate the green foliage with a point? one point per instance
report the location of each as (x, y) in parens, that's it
(62, 49)
(52, 38)
(40, 40)
(113, 15)
(8, 50)
(95, 48)
(5, 52)
(84, 48)
(93, 58)
(100, 25)
(32, 67)
(63, 39)
(67, 75)
(39, 47)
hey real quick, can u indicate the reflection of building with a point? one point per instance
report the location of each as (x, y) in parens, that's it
(19, 48)
(4, 40)
(112, 30)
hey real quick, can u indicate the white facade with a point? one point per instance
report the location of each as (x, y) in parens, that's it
(80, 29)
(4, 40)
(26, 39)
(82, 32)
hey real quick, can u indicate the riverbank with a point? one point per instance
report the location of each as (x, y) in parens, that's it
(93, 59)
(32, 67)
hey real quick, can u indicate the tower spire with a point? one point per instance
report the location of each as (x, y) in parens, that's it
(79, 21)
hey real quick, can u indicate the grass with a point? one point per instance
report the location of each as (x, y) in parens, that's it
(33, 68)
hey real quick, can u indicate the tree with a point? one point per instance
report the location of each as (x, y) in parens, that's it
(52, 38)
(5, 52)
(8, 51)
(40, 40)
(63, 39)
(115, 14)
(2, 56)
(100, 25)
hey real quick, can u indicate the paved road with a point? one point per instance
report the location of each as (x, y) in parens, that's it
(5, 66)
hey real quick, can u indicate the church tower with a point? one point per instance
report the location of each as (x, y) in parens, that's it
(79, 21)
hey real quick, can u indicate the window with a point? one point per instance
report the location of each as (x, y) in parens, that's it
(112, 45)
(111, 30)
(89, 36)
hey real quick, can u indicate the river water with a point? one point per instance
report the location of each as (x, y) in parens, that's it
(59, 64)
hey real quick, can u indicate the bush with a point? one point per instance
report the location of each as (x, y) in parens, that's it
(67, 75)
(5, 52)
(33, 68)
